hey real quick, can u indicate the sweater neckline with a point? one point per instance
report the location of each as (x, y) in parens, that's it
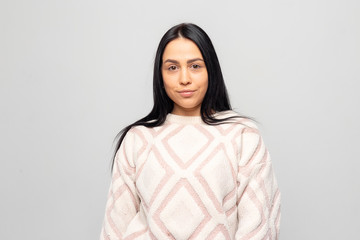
(173, 118)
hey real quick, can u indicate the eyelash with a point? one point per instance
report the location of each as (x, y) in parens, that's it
(171, 68)
(197, 66)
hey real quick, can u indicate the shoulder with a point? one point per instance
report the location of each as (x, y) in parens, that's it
(141, 135)
(136, 132)
(135, 140)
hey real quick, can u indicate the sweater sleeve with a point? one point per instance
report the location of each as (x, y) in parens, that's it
(123, 202)
(258, 196)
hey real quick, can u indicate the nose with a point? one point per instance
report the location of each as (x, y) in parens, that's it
(185, 77)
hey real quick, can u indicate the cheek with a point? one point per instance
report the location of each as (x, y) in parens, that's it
(203, 82)
(168, 92)
(168, 87)
(206, 83)
(168, 80)
(166, 83)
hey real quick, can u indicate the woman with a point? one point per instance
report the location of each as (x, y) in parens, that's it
(192, 168)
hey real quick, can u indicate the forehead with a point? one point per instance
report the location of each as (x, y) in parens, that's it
(181, 48)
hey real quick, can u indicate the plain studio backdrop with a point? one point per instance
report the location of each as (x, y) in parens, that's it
(74, 73)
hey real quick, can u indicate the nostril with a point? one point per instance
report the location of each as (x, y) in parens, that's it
(185, 82)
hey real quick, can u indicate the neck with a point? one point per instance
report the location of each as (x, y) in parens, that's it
(186, 112)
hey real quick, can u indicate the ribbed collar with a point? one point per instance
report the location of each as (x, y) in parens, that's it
(173, 118)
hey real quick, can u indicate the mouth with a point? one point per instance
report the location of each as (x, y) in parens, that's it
(186, 93)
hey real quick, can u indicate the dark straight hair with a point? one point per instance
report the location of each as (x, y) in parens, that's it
(216, 98)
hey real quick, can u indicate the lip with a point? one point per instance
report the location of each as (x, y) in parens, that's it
(186, 93)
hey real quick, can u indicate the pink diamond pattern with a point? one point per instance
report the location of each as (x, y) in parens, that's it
(219, 233)
(140, 136)
(225, 128)
(194, 148)
(123, 194)
(217, 164)
(153, 178)
(179, 197)
(175, 208)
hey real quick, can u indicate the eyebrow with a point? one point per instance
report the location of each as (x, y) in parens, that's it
(188, 61)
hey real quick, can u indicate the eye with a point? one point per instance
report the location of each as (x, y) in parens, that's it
(172, 68)
(195, 66)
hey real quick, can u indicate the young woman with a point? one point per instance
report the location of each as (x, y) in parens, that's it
(192, 168)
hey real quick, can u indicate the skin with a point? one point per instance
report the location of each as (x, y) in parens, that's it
(185, 76)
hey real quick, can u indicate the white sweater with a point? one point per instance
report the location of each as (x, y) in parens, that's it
(189, 180)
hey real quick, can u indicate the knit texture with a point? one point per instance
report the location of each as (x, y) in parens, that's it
(189, 180)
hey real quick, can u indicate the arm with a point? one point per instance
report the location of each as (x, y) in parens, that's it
(123, 202)
(258, 196)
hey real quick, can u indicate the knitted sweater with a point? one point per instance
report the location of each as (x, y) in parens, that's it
(189, 180)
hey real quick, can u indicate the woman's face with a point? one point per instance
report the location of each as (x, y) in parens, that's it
(185, 76)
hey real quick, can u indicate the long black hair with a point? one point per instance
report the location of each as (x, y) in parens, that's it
(216, 98)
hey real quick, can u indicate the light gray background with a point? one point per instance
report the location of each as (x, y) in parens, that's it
(74, 73)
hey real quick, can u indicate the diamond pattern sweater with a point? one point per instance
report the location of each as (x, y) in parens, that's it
(189, 180)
